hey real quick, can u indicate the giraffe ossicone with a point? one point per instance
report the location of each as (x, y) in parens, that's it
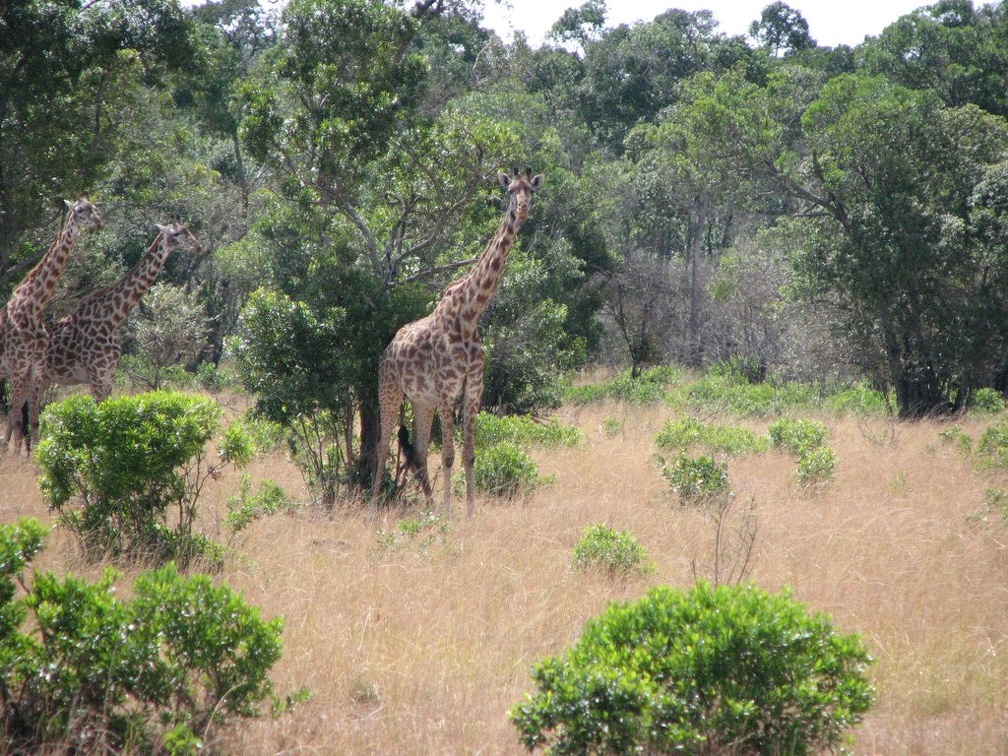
(437, 360)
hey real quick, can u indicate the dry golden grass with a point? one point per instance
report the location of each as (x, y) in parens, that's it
(421, 645)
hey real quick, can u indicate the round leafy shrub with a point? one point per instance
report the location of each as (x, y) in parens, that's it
(717, 670)
(699, 480)
(84, 671)
(797, 436)
(816, 466)
(125, 474)
(505, 470)
(615, 551)
(988, 401)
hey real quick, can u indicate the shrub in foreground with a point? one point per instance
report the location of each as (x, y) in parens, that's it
(716, 670)
(82, 671)
(125, 474)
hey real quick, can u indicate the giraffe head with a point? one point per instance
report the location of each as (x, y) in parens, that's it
(85, 214)
(177, 236)
(520, 187)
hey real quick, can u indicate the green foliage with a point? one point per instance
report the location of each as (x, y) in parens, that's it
(611, 427)
(698, 481)
(816, 466)
(523, 430)
(987, 401)
(699, 672)
(718, 391)
(804, 439)
(995, 506)
(992, 448)
(796, 436)
(616, 552)
(726, 439)
(858, 399)
(650, 386)
(104, 674)
(246, 507)
(505, 470)
(957, 437)
(115, 471)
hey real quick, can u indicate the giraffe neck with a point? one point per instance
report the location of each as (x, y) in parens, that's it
(123, 295)
(481, 283)
(37, 289)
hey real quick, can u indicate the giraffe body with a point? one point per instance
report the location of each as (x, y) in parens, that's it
(83, 347)
(437, 360)
(23, 336)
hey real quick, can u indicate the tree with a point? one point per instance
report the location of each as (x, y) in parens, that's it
(781, 30)
(65, 71)
(169, 328)
(632, 73)
(904, 189)
(950, 48)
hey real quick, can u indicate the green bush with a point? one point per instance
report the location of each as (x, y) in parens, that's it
(726, 439)
(115, 471)
(611, 427)
(95, 674)
(506, 470)
(650, 386)
(988, 401)
(816, 466)
(696, 481)
(426, 532)
(246, 507)
(615, 552)
(523, 430)
(716, 670)
(957, 437)
(731, 393)
(993, 446)
(797, 436)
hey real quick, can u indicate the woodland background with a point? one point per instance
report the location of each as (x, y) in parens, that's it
(807, 213)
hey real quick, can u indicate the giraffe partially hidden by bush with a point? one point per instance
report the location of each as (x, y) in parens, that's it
(438, 359)
(83, 346)
(23, 336)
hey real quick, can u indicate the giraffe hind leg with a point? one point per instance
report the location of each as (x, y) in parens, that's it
(390, 398)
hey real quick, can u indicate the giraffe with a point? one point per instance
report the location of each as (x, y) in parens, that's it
(438, 359)
(82, 347)
(23, 336)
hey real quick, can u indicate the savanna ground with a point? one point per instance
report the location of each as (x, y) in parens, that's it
(420, 642)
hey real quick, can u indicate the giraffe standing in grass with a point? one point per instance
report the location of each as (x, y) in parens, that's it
(438, 359)
(83, 347)
(23, 336)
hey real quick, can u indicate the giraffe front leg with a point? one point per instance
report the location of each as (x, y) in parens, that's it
(473, 399)
(15, 430)
(447, 414)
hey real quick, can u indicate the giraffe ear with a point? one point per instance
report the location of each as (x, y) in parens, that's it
(504, 179)
(162, 229)
(537, 181)
(69, 204)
